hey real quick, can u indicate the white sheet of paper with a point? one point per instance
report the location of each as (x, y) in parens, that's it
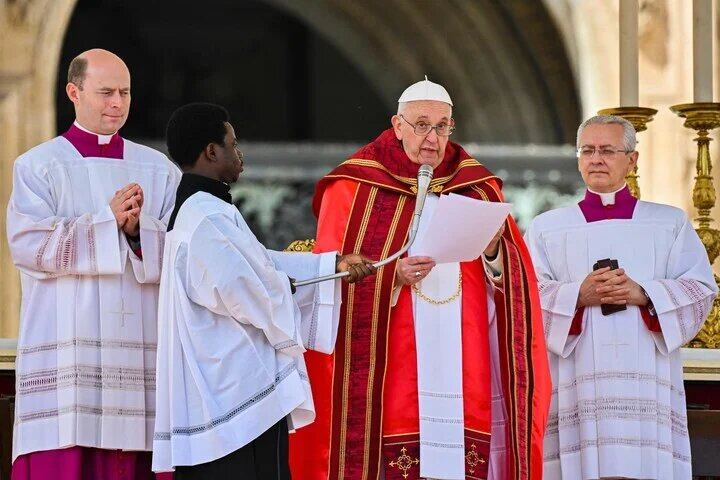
(460, 228)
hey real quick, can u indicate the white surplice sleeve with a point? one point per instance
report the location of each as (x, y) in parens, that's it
(683, 299)
(152, 233)
(319, 303)
(44, 244)
(558, 299)
(232, 275)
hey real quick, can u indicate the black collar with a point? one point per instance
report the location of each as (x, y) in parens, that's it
(190, 184)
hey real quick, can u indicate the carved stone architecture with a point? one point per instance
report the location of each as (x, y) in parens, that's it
(519, 90)
(522, 74)
(478, 49)
(31, 33)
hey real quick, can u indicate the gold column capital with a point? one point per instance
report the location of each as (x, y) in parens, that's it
(638, 116)
(699, 116)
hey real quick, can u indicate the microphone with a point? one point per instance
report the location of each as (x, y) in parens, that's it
(425, 175)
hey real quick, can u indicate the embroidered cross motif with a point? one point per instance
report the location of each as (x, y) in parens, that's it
(404, 462)
(615, 344)
(473, 459)
(122, 312)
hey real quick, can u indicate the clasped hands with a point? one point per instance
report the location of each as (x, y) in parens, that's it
(613, 287)
(126, 206)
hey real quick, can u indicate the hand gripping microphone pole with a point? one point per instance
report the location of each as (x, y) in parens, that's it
(423, 182)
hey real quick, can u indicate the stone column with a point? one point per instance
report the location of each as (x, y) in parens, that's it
(31, 34)
(9, 149)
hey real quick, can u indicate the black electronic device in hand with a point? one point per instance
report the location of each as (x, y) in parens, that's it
(608, 309)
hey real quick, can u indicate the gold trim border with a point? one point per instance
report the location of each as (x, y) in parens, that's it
(702, 370)
(7, 360)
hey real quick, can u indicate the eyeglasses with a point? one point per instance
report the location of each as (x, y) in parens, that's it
(588, 151)
(423, 128)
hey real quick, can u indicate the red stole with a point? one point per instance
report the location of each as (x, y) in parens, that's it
(400, 401)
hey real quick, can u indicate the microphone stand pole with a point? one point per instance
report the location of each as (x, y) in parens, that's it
(424, 177)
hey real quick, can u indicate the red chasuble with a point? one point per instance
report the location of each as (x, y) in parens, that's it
(365, 394)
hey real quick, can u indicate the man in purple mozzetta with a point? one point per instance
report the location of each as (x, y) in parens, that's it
(86, 226)
(623, 285)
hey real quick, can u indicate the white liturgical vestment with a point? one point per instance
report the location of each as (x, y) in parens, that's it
(87, 341)
(618, 403)
(232, 335)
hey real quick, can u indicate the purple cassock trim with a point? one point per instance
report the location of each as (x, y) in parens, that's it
(594, 211)
(84, 463)
(87, 144)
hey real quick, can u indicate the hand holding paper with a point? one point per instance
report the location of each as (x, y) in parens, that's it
(460, 229)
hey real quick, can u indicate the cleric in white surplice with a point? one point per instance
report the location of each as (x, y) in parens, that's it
(618, 405)
(86, 223)
(231, 332)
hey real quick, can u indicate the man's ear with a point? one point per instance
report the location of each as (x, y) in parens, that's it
(633, 160)
(396, 122)
(72, 92)
(210, 152)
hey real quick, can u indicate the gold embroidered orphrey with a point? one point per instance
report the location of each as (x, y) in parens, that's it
(404, 462)
(431, 189)
(474, 459)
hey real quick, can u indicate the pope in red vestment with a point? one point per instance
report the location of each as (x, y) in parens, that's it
(366, 394)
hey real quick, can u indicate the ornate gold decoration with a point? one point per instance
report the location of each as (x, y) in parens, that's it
(432, 189)
(703, 117)
(435, 184)
(639, 117)
(404, 462)
(301, 246)
(449, 299)
(473, 459)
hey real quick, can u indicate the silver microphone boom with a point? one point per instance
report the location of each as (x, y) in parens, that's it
(425, 175)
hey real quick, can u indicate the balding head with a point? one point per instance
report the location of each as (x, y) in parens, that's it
(77, 70)
(99, 87)
(100, 58)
